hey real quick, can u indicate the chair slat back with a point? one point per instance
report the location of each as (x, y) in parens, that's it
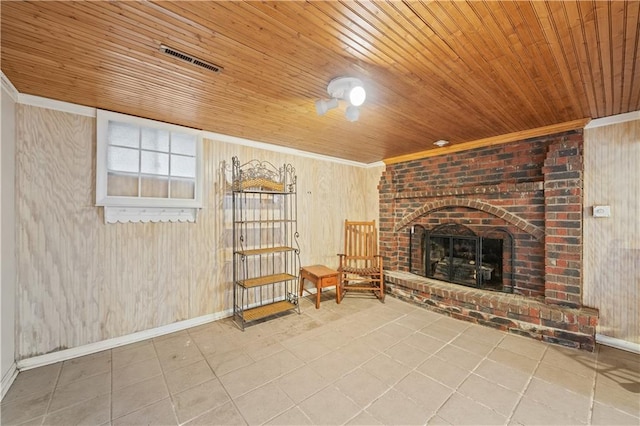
(360, 242)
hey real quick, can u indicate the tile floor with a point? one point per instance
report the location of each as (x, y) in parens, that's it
(360, 362)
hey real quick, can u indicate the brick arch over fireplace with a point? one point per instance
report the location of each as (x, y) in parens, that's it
(518, 222)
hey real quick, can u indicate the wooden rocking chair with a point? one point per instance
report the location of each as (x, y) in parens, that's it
(360, 265)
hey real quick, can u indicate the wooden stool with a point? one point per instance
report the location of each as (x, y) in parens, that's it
(322, 277)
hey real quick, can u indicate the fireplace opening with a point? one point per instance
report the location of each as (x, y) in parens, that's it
(454, 253)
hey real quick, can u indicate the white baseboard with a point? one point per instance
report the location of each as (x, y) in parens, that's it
(618, 343)
(7, 380)
(59, 356)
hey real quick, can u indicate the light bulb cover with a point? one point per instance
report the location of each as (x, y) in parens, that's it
(357, 95)
(352, 113)
(322, 106)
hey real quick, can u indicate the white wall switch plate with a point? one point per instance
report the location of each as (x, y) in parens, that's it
(601, 211)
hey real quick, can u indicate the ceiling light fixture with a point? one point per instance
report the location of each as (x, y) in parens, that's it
(441, 143)
(349, 89)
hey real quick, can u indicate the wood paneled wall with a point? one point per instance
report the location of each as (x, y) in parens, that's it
(80, 280)
(612, 245)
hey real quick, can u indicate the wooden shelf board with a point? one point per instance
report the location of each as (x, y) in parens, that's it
(267, 310)
(267, 250)
(266, 279)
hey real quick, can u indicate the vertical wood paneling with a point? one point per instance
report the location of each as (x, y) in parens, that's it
(82, 281)
(612, 245)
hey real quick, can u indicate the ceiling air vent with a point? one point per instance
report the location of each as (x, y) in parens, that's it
(188, 58)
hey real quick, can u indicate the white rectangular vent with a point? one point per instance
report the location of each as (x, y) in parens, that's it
(188, 58)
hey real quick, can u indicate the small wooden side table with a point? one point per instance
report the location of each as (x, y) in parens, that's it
(322, 277)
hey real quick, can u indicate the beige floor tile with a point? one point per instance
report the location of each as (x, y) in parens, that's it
(579, 362)
(188, 377)
(379, 341)
(460, 410)
(427, 344)
(307, 350)
(459, 357)
(177, 352)
(134, 373)
(566, 378)
(407, 354)
(385, 368)
(444, 372)
(559, 399)
(293, 417)
(301, 383)
(441, 332)
(513, 360)
(329, 406)
(606, 415)
(531, 412)
(503, 375)
(35, 381)
(363, 419)
(80, 390)
(265, 347)
(361, 387)
(197, 400)
(490, 394)
(437, 421)
(138, 395)
(333, 365)
(485, 335)
(38, 421)
(26, 408)
(214, 342)
(158, 413)
(425, 391)
(418, 319)
(226, 414)
(394, 408)
(225, 362)
(85, 366)
(524, 346)
(131, 354)
(263, 404)
(624, 396)
(94, 411)
(473, 345)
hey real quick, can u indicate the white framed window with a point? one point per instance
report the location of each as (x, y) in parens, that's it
(147, 170)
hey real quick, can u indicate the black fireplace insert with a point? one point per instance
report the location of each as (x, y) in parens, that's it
(454, 253)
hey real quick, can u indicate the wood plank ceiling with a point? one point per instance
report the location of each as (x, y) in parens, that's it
(454, 70)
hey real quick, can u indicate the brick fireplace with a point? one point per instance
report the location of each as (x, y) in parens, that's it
(531, 190)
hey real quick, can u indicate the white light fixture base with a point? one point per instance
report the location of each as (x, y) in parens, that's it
(349, 89)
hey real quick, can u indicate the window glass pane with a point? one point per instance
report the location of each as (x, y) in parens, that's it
(122, 159)
(183, 166)
(156, 187)
(123, 134)
(183, 188)
(122, 185)
(155, 139)
(154, 163)
(182, 143)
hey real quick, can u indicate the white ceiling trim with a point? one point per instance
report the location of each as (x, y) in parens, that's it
(613, 119)
(9, 87)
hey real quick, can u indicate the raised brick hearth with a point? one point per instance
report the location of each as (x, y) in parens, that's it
(533, 189)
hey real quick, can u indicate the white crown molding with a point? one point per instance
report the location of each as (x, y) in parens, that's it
(613, 119)
(63, 355)
(282, 149)
(38, 101)
(618, 343)
(7, 380)
(9, 87)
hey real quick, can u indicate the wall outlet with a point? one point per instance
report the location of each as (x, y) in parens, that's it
(601, 211)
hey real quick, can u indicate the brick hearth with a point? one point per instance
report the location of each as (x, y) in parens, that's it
(532, 188)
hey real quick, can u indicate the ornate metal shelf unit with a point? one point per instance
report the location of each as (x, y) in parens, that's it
(266, 254)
